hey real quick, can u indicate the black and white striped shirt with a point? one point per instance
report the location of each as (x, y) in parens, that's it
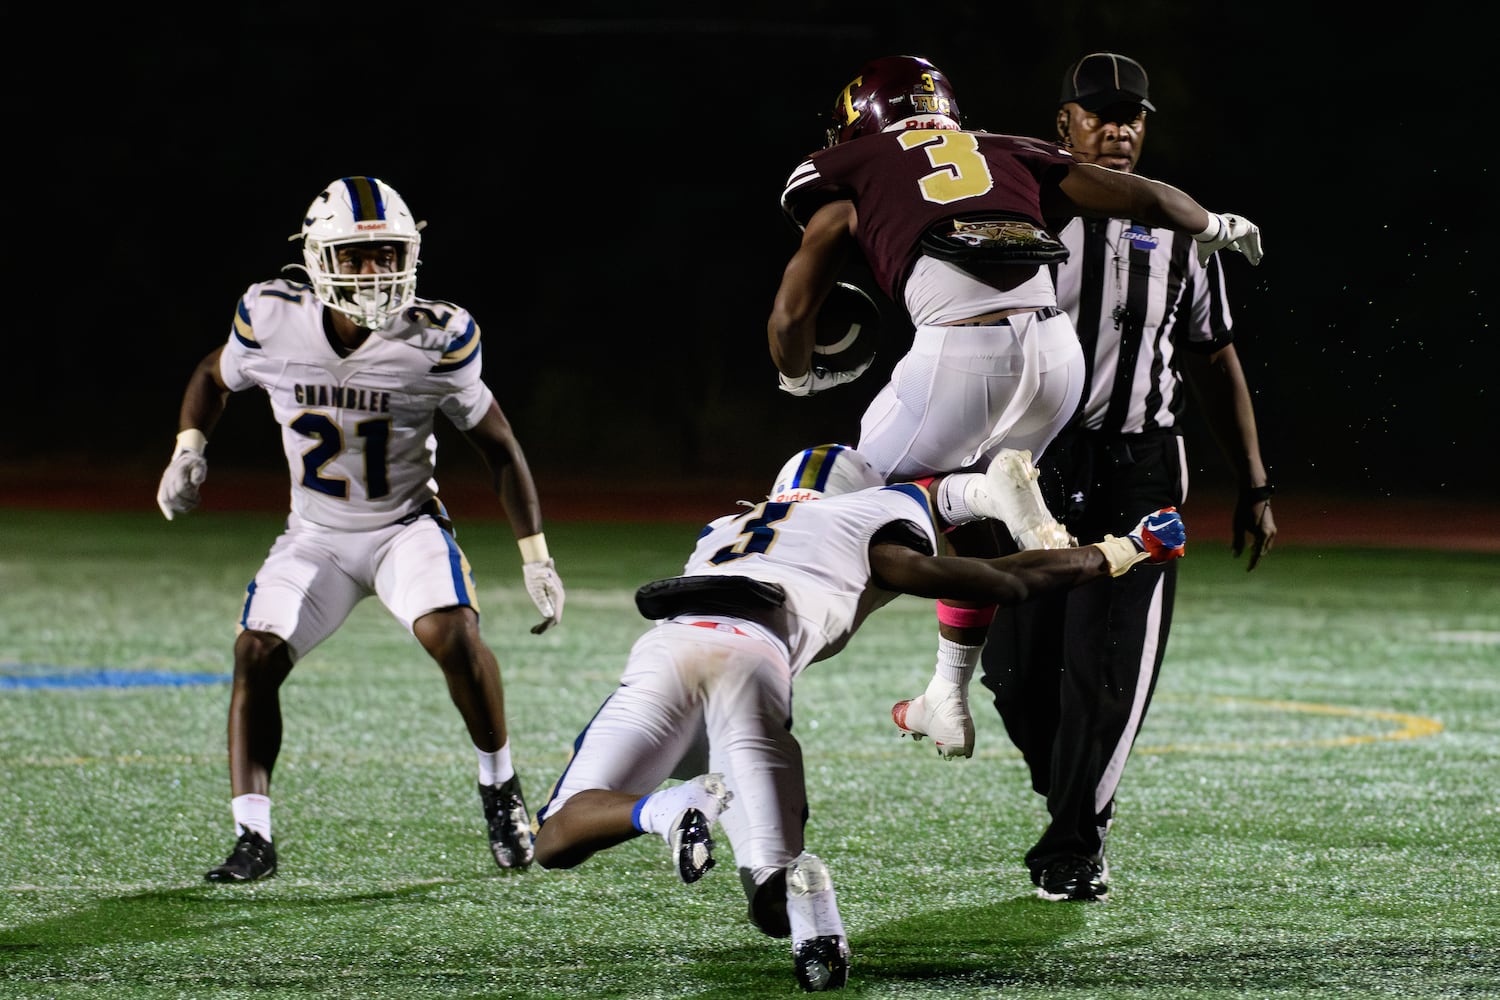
(1137, 295)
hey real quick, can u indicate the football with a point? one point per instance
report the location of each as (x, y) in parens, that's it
(848, 329)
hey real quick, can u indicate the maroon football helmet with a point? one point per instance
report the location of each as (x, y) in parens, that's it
(893, 92)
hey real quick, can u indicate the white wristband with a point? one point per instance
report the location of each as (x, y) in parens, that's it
(191, 439)
(1215, 227)
(533, 548)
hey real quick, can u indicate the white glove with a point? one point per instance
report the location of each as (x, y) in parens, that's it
(178, 492)
(815, 380)
(1233, 231)
(542, 582)
(546, 590)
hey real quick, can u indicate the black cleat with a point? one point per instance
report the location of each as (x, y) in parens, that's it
(692, 847)
(509, 823)
(1072, 880)
(822, 963)
(253, 857)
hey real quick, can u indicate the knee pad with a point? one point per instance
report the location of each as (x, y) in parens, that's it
(768, 903)
(947, 614)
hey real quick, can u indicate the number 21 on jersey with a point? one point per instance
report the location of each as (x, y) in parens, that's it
(377, 435)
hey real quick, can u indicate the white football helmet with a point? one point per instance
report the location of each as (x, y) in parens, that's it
(361, 210)
(824, 470)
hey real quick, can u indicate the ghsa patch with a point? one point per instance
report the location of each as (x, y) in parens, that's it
(1140, 237)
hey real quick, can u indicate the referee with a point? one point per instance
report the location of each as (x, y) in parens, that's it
(1073, 675)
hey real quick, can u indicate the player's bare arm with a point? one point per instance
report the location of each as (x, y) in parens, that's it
(511, 479)
(510, 476)
(809, 275)
(1005, 581)
(1099, 192)
(203, 404)
(205, 397)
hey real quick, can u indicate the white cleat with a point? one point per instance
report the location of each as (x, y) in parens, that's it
(942, 713)
(1009, 492)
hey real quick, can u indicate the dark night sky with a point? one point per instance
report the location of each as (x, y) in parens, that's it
(601, 194)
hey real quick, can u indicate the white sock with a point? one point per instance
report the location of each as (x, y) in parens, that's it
(658, 812)
(495, 767)
(955, 662)
(951, 505)
(811, 907)
(252, 812)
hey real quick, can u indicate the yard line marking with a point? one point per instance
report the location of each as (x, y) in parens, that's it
(1409, 727)
(1477, 637)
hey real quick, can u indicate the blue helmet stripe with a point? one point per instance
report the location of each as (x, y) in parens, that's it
(364, 195)
(817, 465)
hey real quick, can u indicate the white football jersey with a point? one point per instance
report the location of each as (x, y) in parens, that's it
(819, 552)
(357, 430)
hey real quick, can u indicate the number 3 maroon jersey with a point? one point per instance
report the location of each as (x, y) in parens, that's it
(903, 182)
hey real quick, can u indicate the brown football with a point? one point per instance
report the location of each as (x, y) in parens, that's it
(848, 329)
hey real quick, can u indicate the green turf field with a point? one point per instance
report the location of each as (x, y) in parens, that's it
(1313, 810)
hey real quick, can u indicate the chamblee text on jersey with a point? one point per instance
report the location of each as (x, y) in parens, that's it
(347, 397)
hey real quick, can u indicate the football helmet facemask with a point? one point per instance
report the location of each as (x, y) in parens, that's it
(824, 470)
(361, 211)
(893, 93)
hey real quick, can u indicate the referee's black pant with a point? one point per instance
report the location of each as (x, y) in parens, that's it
(1073, 673)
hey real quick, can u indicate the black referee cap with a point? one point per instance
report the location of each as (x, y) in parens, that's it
(1100, 79)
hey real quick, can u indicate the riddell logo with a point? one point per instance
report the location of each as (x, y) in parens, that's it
(929, 123)
(365, 227)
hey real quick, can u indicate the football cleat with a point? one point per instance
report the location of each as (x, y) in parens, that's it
(820, 950)
(1009, 492)
(253, 857)
(703, 798)
(942, 712)
(508, 822)
(821, 963)
(692, 846)
(1161, 535)
(1073, 880)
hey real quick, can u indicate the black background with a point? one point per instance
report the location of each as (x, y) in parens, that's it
(601, 193)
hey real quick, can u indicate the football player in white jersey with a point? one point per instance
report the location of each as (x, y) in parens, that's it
(707, 693)
(356, 368)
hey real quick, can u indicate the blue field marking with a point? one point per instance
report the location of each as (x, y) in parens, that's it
(37, 675)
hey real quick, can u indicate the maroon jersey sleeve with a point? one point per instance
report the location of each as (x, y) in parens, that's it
(902, 183)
